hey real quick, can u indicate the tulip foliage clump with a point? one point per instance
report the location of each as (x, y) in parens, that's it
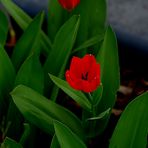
(58, 87)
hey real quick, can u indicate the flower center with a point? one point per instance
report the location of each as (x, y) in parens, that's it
(85, 76)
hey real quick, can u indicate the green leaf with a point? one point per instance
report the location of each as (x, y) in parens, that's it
(93, 122)
(100, 116)
(14, 120)
(28, 42)
(90, 42)
(17, 13)
(31, 74)
(26, 133)
(41, 111)
(3, 28)
(66, 138)
(97, 95)
(132, 128)
(10, 143)
(108, 58)
(54, 142)
(56, 18)
(23, 20)
(62, 48)
(78, 96)
(7, 73)
(93, 19)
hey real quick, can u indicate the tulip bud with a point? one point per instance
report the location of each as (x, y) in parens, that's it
(69, 4)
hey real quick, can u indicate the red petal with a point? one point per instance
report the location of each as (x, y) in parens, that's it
(86, 86)
(75, 67)
(94, 84)
(69, 4)
(73, 81)
(95, 81)
(87, 61)
(92, 72)
(89, 86)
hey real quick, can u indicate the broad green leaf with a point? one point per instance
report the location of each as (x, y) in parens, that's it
(54, 142)
(93, 19)
(66, 138)
(23, 20)
(3, 28)
(7, 73)
(17, 13)
(108, 58)
(62, 48)
(90, 42)
(62, 45)
(28, 42)
(77, 96)
(10, 143)
(41, 111)
(31, 74)
(132, 128)
(56, 18)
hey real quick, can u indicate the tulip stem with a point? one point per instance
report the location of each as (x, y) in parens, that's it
(92, 104)
(90, 98)
(93, 111)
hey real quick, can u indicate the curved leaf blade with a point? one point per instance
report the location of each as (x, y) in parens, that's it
(66, 138)
(41, 111)
(31, 74)
(90, 42)
(93, 20)
(23, 20)
(28, 41)
(17, 13)
(108, 58)
(100, 116)
(7, 72)
(135, 120)
(54, 142)
(56, 18)
(62, 48)
(110, 77)
(77, 96)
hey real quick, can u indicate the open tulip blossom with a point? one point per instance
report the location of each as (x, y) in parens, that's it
(84, 74)
(69, 4)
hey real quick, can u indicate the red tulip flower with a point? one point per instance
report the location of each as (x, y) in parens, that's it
(84, 74)
(69, 4)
